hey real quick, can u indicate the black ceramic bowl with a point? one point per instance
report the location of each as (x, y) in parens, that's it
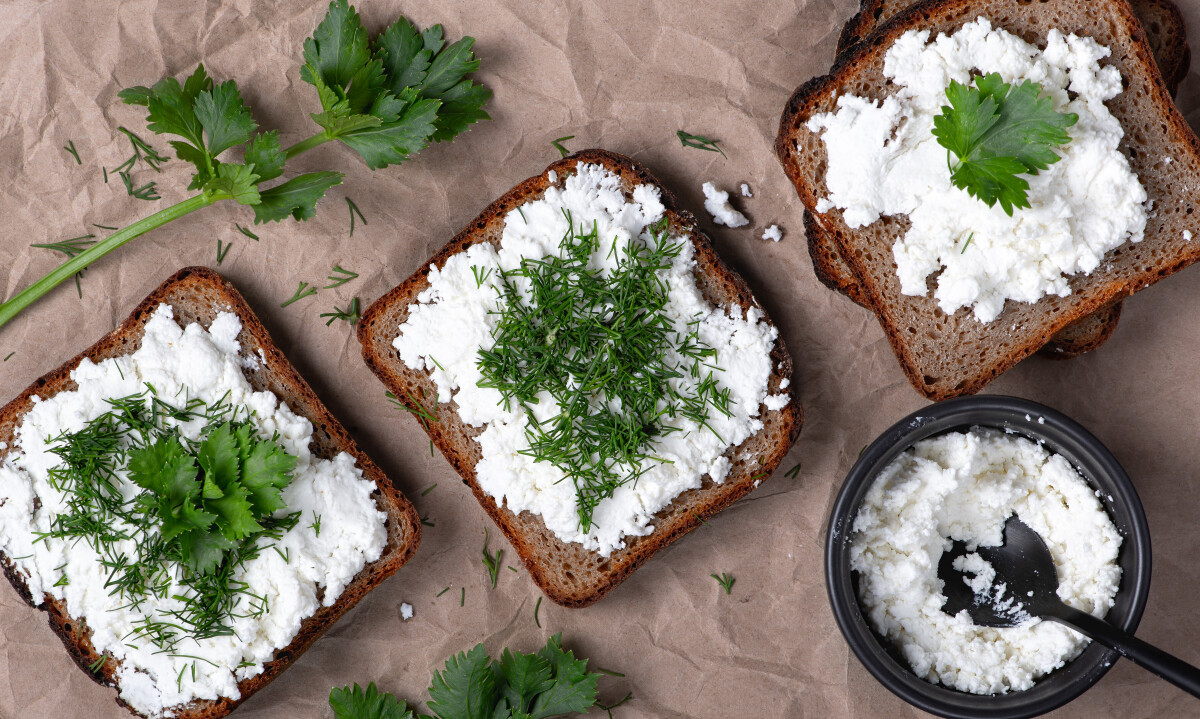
(1061, 435)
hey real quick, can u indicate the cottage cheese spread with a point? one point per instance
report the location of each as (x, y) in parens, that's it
(963, 486)
(457, 315)
(183, 363)
(885, 161)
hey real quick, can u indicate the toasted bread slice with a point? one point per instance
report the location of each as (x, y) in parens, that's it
(1167, 34)
(946, 356)
(198, 294)
(567, 573)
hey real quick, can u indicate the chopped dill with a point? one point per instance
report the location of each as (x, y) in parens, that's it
(222, 250)
(304, 290)
(354, 211)
(700, 142)
(725, 580)
(339, 276)
(491, 561)
(351, 314)
(70, 147)
(558, 145)
(246, 232)
(429, 489)
(536, 608)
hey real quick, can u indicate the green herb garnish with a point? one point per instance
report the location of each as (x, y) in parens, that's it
(103, 227)
(414, 406)
(9, 356)
(967, 243)
(302, 291)
(354, 211)
(536, 607)
(222, 250)
(558, 145)
(793, 472)
(206, 506)
(700, 142)
(385, 97)
(339, 277)
(70, 147)
(354, 703)
(351, 314)
(579, 335)
(491, 561)
(429, 489)
(725, 580)
(246, 232)
(996, 132)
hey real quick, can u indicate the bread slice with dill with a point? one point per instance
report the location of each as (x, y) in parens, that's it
(949, 355)
(197, 294)
(1167, 35)
(566, 572)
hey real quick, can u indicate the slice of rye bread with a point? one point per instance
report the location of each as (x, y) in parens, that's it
(566, 572)
(1167, 34)
(198, 294)
(946, 356)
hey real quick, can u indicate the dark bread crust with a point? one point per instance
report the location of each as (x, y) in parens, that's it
(1167, 34)
(945, 356)
(197, 294)
(568, 574)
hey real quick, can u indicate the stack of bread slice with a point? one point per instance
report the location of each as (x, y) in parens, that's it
(949, 355)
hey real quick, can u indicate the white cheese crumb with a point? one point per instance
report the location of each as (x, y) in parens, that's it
(552, 176)
(746, 190)
(776, 401)
(773, 233)
(785, 383)
(1187, 235)
(717, 203)
(406, 611)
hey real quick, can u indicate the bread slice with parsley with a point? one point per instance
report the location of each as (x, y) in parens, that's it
(1167, 35)
(566, 572)
(198, 294)
(949, 355)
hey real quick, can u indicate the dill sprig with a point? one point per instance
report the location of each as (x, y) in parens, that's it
(793, 472)
(185, 546)
(70, 147)
(700, 142)
(302, 291)
(558, 145)
(351, 314)
(354, 211)
(70, 247)
(246, 232)
(222, 250)
(491, 560)
(414, 406)
(339, 277)
(599, 345)
(725, 580)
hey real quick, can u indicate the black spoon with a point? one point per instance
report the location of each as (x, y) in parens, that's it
(1026, 570)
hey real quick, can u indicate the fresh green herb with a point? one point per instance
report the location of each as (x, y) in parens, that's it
(71, 247)
(63, 581)
(339, 277)
(78, 286)
(222, 250)
(148, 191)
(442, 592)
(206, 506)
(142, 152)
(472, 685)
(70, 147)
(536, 607)
(513, 569)
(354, 211)
(480, 275)
(491, 561)
(700, 519)
(967, 243)
(610, 672)
(429, 489)
(861, 451)
(8, 356)
(700, 142)
(351, 314)
(98, 664)
(103, 227)
(386, 98)
(793, 472)
(426, 522)
(725, 580)
(996, 132)
(354, 703)
(558, 145)
(414, 406)
(557, 337)
(431, 448)
(246, 232)
(758, 476)
(462, 598)
(608, 708)
(302, 291)
(316, 524)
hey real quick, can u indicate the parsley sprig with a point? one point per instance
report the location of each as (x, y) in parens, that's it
(558, 337)
(206, 506)
(995, 133)
(386, 98)
(548, 683)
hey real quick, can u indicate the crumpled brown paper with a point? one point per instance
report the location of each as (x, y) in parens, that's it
(621, 75)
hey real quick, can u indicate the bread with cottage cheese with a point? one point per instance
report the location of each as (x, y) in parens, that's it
(1167, 34)
(566, 572)
(946, 356)
(197, 294)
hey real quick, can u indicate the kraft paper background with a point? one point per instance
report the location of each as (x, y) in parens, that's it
(616, 74)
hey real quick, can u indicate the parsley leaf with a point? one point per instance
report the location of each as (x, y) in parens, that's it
(354, 703)
(998, 132)
(265, 155)
(466, 688)
(226, 121)
(574, 688)
(296, 197)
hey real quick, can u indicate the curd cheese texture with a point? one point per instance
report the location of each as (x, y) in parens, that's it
(963, 486)
(457, 314)
(183, 363)
(884, 161)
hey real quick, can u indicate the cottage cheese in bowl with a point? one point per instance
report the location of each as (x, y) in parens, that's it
(962, 486)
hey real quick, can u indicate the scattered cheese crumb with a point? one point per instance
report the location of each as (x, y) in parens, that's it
(746, 190)
(1187, 235)
(406, 611)
(717, 204)
(773, 233)
(775, 402)
(785, 383)
(552, 176)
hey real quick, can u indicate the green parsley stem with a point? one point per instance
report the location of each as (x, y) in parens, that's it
(305, 145)
(32, 293)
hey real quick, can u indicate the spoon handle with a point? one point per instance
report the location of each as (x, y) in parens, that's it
(1178, 672)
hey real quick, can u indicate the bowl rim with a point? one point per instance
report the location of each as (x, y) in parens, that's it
(1035, 421)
